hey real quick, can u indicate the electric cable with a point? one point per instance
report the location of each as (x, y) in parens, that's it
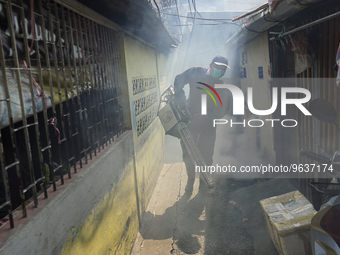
(194, 4)
(159, 12)
(217, 20)
(180, 34)
(238, 2)
(216, 24)
(189, 6)
(200, 53)
(179, 20)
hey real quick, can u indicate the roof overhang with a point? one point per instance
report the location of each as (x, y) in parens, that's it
(264, 20)
(137, 17)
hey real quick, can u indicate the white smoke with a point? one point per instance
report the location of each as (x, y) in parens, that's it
(237, 148)
(199, 44)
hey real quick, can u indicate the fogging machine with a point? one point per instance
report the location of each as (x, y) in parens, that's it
(174, 118)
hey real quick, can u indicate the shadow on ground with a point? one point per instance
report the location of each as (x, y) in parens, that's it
(228, 221)
(225, 232)
(183, 222)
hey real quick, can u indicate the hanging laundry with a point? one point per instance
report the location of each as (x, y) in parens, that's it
(303, 51)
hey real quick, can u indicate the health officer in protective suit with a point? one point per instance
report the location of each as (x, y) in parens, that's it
(201, 81)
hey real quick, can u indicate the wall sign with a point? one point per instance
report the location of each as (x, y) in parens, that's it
(260, 70)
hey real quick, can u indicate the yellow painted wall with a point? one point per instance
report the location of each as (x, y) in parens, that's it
(149, 163)
(253, 55)
(144, 61)
(112, 226)
(162, 62)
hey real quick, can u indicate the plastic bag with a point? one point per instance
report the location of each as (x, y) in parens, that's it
(272, 4)
(302, 62)
(303, 52)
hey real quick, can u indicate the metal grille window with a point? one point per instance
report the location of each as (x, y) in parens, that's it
(60, 99)
(142, 84)
(144, 98)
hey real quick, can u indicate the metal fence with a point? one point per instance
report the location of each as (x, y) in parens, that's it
(314, 135)
(61, 97)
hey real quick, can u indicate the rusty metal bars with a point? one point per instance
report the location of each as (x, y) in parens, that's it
(108, 95)
(101, 84)
(45, 139)
(33, 180)
(73, 135)
(64, 117)
(4, 169)
(79, 85)
(85, 83)
(50, 120)
(71, 55)
(16, 70)
(93, 109)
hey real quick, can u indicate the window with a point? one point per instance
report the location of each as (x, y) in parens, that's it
(61, 96)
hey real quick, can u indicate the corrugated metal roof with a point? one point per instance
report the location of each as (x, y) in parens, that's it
(264, 20)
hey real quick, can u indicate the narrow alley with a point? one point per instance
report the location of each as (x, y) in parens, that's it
(228, 220)
(169, 127)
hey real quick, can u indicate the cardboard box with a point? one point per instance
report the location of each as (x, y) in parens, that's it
(288, 219)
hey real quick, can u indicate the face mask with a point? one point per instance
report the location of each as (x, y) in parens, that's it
(216, 73)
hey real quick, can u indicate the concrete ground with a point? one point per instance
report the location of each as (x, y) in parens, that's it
(227, 221)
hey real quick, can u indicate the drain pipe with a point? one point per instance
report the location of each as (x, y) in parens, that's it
(313, 23)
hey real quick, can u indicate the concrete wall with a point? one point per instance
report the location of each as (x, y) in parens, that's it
(93, 213)
(255, 71)
(124, 205)
(98, 210)
(144, 62)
